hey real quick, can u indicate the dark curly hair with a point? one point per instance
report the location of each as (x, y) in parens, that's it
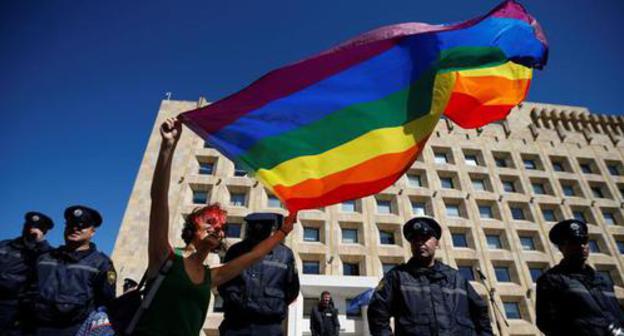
(191, 221)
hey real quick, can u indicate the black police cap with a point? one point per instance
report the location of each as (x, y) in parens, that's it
(418, 226)
(265, 217)
(82, 214)
(566, 229)
(38, 220)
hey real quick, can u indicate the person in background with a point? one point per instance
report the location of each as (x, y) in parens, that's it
(324, 317)
(74, 279)
(572, 298)
(256, 302)
(425, 296)
(17, 261)
(181, 301)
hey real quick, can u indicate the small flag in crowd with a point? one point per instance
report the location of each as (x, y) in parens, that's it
(361, 300)
(350, 121)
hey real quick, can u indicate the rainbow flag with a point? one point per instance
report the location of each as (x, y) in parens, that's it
(350, 121)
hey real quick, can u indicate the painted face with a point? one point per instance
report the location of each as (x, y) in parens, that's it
(209, 230)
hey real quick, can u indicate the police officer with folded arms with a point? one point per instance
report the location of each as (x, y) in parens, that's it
(425, 296)
(572, 299)
(256, 302)
(17, 260)
(74, 279)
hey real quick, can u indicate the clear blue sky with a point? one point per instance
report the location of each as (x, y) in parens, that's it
(81, 81)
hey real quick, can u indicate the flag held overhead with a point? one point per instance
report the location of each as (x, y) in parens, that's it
(350, 121)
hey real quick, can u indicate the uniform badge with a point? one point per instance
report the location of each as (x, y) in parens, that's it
(78, 212)
(575, 226)
(35, 218)
(111, 277)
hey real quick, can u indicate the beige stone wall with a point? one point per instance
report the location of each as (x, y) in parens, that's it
(538, 132)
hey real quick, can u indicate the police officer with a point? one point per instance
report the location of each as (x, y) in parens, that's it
(324, 317)
(572, 299)
(424, 296)
(73, 279)
(17, 260)
(256, 302)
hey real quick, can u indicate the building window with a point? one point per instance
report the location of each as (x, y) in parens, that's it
(517, 213)
(538, 188)
(579, 215)
(348, 206)
(485, 211)
(386, 237)
(593, 246)
(311, 234)
(529, 164)
(218, 304)
(478, 184)
(200, 197)
(509, 186)
(447, 182)
(609, 217)
(466, 272)
(238, 171)
(440, 158)
(597, 192)
(536, 272)
(512, 310)
(384, 206)
(459, 240)
(549, 215)
(568, 190)
(502, 274)
(558, 166)
(206, 168)
(349, 236)
(273, 202)
(350, 269)
(419, 208)
(238, 199)
(452, 210)
(614, 169)
(620, 246)
(500, 162)
(387, 267)
(311, 267)
(471, 160)
(528, 244)
(233, 230)
(414, 180)
(585, 168)
(494, 241)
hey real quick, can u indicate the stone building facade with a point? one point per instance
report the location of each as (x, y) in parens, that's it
(496, 190)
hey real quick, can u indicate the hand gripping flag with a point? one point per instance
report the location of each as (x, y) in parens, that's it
(350, 121)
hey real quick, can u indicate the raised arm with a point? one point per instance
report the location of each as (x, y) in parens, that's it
(233, 268)
(158, 241)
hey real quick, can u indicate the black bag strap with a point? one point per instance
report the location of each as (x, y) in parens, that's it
(151, 292)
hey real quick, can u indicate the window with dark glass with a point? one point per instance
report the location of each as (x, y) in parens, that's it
(206, 168)
(529, 164)
(558, 166)
(386, 237)
(502, 274)
(527, 242)
(311, 234)
(536, 272)
(517, 213)
(414, 180)
(419, 208)
(238, 199)
(597, 192)
(384, 206)
(512, 310)
(452, 210)
(486, 212)
(233, 230)
(200, 197)
(478, 184)
(494, 241)
(593, 246)
(579, 215)
(440, 158)
(509, 186)
(238, 171)
(620, 246)
(350, 269)
(538, 188)
(585, 168)
(348, 206)
(568, 190)
(466, 272)
(349, 236)
(447, 182)
(609, 217)
(613, 169)
(500, 162)
(459, 240)
(471, 160)
(311, 267)
(549, 215)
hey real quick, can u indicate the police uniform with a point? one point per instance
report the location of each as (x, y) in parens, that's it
(426, 300)
(17, 259)
(256, 302)
(572, 299)
(71, 284)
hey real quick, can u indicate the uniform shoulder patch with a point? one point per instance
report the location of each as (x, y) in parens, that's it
(111, 277)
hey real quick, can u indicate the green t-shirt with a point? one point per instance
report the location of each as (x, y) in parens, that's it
(179, 306)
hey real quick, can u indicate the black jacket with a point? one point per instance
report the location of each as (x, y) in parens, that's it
(427, 301)
(17, 260)
(262, 293)
(574, 301)
(324, 321)
(71, 284)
